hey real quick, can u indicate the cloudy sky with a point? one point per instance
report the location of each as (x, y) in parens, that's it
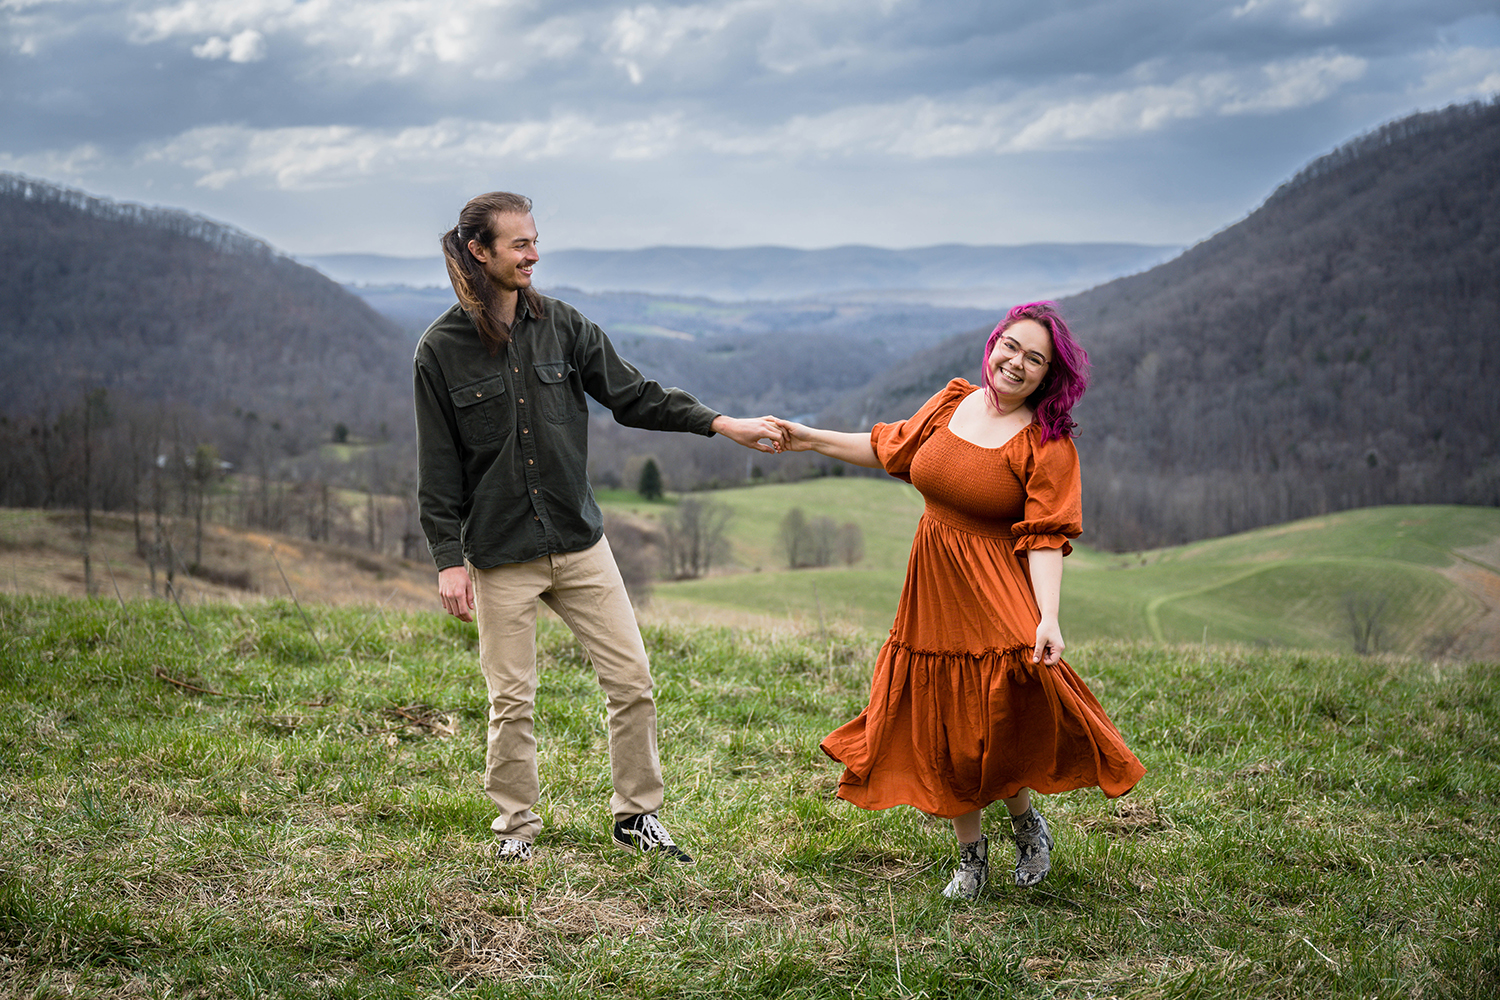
(329, 126)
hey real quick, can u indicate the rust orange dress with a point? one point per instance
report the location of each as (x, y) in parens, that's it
(959, 716)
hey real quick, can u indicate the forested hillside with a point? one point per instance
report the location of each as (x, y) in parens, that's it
(1338, 348)
(145, 352)
(156, 305)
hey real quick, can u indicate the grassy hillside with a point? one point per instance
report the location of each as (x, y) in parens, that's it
(1424, 580)
(273, 806)
(886, 510)
(1428, 576)
(41, 554)
(758, 582)
(1423, 572)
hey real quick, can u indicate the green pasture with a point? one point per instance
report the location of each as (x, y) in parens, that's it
(1291, 585)
(1295, 584)
(865, 598)
(274, 802)
(885, 509)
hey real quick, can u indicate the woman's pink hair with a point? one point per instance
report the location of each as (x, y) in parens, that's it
(1067, 376)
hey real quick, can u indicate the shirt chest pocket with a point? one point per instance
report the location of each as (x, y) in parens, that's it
(482, 411)
(560, 397)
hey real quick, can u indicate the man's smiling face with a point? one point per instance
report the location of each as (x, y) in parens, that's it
(509, 259)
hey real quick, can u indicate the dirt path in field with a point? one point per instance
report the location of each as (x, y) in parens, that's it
(1477, 570)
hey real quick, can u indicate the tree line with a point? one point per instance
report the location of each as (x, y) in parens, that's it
(153, 462)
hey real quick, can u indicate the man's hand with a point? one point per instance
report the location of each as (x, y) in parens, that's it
(457, 593)
(760, 433)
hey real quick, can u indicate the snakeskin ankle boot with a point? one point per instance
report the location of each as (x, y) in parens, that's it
(973, 870)
(1033, 847)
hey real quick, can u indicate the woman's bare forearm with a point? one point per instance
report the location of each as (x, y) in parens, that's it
(845, 446)
(1045, 567)
(1046, 580)
(854, 448)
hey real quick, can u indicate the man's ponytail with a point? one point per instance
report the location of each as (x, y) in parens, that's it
(472, 286)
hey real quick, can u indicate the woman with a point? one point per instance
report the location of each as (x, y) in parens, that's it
(971, 701)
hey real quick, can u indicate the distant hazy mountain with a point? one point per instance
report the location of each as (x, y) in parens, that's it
(376, 269)
(905, 326)
(956, 275)
(1338, 348)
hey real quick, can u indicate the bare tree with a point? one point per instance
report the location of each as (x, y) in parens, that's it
(814, 542)
(794, 537)
(823, 540)
(635, 551)
(203, 471)
(851, 543)
(1367, 619)
(94, 413)
(143, 432)
(693, 536)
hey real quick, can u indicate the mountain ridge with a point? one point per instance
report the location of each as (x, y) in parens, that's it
(176, 328)
(1267, 373)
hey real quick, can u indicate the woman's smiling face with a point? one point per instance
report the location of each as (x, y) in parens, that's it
(1019, 360)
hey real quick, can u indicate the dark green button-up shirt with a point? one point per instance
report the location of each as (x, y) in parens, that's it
(502, 440)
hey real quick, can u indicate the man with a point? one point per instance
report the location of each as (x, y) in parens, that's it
(502, 439)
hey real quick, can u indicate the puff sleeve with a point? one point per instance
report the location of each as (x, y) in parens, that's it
(897, 444)
(1054, 495)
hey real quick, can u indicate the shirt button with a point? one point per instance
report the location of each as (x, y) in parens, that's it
(520, 400)
(531, 461)
(533, 491)
(516, 370)
(478, 394)
(525, 430)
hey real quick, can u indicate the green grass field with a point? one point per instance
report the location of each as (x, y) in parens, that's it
(885, 509)
(235, 802)
(1290, 585)
(1287, 586)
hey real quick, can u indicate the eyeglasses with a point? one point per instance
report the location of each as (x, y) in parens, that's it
(1031, 360)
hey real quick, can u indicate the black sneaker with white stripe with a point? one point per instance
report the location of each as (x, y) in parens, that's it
(644, 834)
(512, 850)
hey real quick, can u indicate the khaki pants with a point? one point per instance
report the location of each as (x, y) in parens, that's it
(586, 591)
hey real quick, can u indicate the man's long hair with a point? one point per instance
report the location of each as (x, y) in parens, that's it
(470, 283)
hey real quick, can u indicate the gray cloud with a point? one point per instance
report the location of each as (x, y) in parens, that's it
(719, 121)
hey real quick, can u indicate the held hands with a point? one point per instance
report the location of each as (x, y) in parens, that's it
(456, 591)
(1049, 643)
(794, 436)
(771, 434)
(760, 433)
